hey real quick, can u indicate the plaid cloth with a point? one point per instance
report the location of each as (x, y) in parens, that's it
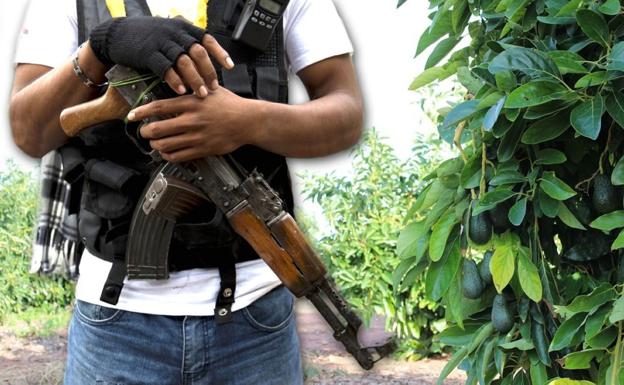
(56, 245)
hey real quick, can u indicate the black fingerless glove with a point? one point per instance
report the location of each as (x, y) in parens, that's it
(143, 42)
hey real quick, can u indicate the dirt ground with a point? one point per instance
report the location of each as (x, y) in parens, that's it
(30, 361)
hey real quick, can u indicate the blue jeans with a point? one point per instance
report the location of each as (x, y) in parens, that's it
(259, 347)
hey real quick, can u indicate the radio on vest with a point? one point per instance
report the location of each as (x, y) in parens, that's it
(258, 21)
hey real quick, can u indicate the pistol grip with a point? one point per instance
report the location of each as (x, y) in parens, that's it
(109, 106)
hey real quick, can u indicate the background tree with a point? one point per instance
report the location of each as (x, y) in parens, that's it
(22, 291)
(533, 195)
(364, 213)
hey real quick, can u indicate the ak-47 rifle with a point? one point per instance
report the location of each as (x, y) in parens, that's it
(251, 206)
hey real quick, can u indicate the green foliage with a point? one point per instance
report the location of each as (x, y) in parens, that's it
(21, 290)
(541, 153)
(365, 212)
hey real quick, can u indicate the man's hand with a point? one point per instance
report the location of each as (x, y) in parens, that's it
(174, 49)
(215, 125)
(222, 122)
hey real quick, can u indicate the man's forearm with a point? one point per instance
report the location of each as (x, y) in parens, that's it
(317, 128)
(39, 97)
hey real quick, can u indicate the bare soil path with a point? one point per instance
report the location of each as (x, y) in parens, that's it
(40, 361)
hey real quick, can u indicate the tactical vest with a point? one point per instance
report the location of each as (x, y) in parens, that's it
(112, 173)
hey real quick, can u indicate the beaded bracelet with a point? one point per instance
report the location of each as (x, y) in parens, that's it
(81, 75)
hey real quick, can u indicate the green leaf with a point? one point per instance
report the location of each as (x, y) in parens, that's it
(489, 100)
(529, 61)
(505, 80)
(449, 167)
(566, 332)
(595, 321)
(508, 144)
(547, 129)
(459, 16)
(441, 274)
(567, 381)
(586, 117)
(593, 25)
(517, 212)
(548, 205)
(588, 302)
(496, 196)
(413, 241)
(502, 265)
(460, 112)
(427, 76)
(507, 177)
(528, 276)
(610, 7)
(520, 344)
(616, 57)
(492, 115)
(568, 62)
(547, 109)
(441, 50)
(617, 314)
(535, 93)
(556, 20)
(440, 27)
(592, 79)
(439, 235)
(471, 173)
(568, 218)
(609, 221)
(538, 372)
(555, 187)
(466, 79)
(619, 241)
(617, 176)
(456, 336)
(580, 360)
(602, 340)
(615, 107)
(550, 156)
(479, 337)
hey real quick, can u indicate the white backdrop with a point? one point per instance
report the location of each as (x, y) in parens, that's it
(385, 41)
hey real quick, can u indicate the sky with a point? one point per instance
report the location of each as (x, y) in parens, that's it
(384, 39)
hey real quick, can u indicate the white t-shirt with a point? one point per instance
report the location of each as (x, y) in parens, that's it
(313, 31)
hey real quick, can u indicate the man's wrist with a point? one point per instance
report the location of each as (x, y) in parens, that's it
(90, 65)
(257, 122)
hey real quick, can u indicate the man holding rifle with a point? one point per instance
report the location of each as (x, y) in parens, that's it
(231, 99)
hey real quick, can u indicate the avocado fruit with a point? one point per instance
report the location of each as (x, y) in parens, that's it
(502, 318)
(472, 286)
(581, 210)
(484, 268)
(605, 196)
(479, 227)
(499, 216)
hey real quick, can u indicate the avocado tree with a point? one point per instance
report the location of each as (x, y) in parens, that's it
(521, 234)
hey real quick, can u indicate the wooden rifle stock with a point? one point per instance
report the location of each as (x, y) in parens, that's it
(109, 106)
(246, 224)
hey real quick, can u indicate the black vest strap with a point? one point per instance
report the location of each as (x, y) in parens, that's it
(114, 282)
(225, 299)
(237, 81)
(92, 13)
